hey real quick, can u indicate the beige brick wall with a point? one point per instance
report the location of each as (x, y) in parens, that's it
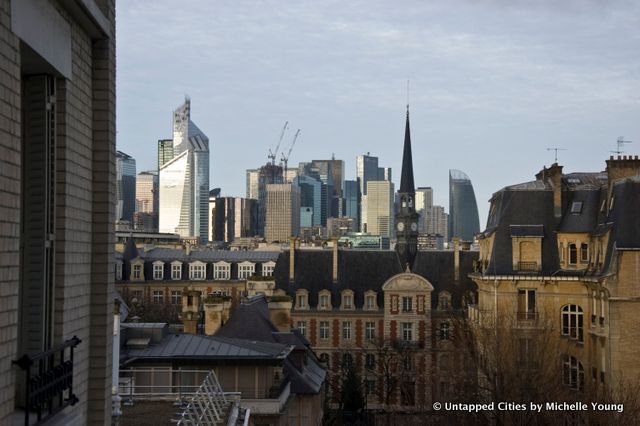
(9, 205)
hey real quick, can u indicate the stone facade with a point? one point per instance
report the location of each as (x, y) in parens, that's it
(76, 48)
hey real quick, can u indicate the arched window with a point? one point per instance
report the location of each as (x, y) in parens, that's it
(347, 360)
(572, 373)
(572, 322)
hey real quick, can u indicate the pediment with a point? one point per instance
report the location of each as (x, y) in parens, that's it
(407, 281)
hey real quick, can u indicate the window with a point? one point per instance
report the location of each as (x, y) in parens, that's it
(347, 301)
(302, 326)
(137, 272)
(562, 254)
(407, 363)
(527, 304)
(370, 386)
(267, 269)
(119, 271)
(158, 296)
(301, 301)
(407, 304)
(444, 300)
(445, 331)
(245, 270)
(584, 253)
(572, 373)
(576, 207)
(370, 330)
(346, 330)
(370, 361)
(324, 329)
(370, 302)
(407, 331)
(136, 296)
(197, 271)
(324, 302)
(176, 297)
(176, 271)
(158, 270)
(573, 254)
(324, 357)
(572, 322)
(347, 360)
(221, 271)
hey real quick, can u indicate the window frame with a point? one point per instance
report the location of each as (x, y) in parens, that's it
(407, 304)
(346, 330)
(324, 330)
(157, 297)
(370, 330)
(407, 331)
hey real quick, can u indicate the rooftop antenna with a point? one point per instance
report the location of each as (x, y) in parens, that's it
(619, 144)
(407, 96)
(556, 149)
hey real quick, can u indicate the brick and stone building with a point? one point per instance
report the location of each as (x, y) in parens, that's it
(57, 186)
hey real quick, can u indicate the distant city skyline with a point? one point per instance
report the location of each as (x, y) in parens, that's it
(493, 85)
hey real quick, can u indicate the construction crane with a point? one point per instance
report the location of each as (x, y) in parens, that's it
(556, 149)
(285, 158)
(272, 155)
(619, 144)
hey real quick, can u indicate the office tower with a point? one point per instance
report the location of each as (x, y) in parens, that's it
(125, 186)
(232, 218)
(282, 212)
(332, 174)
(184, 180)
(384, 173)
(351, 201)
(407, 218)
(146, 216)
(165, 151)
(380, 214)
(310, 197)
(306, 217)
(267, 175)
(253, 176)
(58, 199)
(366, 170)
(437, 221)
(424, 202)
(463, 209)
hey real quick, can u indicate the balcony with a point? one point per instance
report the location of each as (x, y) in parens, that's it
(527, 316)
(527, 266)
(48, 382)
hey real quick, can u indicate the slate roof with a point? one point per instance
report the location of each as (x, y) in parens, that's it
(527, 230)
(207, 348)
(363, 270)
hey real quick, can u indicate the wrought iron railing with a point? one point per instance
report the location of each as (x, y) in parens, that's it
(48, 385)
(528, 266)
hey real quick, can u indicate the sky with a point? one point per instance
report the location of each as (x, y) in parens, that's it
(493, 84)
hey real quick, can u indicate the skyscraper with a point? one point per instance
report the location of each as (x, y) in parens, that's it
(253, 176)
(380, 217)
(437, 221)
(233, 217)
(310, 197)
(184, 179)
(463, 209)
(351, 201)
(367, 170)
(146, 215)
(267, 175)
(165, 151)
(424, 203)
(282, 212)
(125, 186)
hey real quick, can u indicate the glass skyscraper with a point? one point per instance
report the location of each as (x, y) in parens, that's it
(125, 186)
(463, 209)
(184, 179)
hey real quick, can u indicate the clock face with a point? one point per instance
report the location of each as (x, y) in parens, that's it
(400, 226)
(414, 226)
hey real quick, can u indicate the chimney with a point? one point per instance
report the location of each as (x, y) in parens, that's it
(620, 168)
(190, 310)
(187, 248)
(553, 177)
(456, 259)
(280, 312)
(335, 260)
(292, 259)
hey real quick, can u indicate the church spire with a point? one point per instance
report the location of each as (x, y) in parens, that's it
(406, 178)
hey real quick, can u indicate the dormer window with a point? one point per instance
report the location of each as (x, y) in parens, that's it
(137, 272)
(370, 303)
(584, 253)
(245, 270)
(324, 300)
(347, 299)
(197, 271)
(576, 207)
(176, 270)
(302, 301)
(158, 270)
(444, 301)
(221, 271)
(267, 269)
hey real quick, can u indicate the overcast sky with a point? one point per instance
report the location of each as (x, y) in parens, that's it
(493, 83)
